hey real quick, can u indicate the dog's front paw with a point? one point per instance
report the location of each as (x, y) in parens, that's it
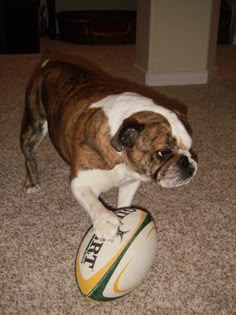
(106, 226)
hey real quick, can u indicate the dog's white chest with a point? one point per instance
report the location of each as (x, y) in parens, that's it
(103, 180)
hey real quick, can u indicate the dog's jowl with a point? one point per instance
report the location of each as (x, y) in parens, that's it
(110, 133)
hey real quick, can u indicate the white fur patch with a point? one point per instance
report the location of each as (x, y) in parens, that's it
(121, 106)
(45, 128)
(45, 62)
(103, 180)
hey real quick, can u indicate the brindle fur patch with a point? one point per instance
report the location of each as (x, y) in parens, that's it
(155, 136)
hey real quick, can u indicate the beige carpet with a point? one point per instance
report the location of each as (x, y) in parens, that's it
(194, 270)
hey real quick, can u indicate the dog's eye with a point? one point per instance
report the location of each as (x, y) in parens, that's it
(163, 154)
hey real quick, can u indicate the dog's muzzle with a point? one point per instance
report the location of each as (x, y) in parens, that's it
(178, 173)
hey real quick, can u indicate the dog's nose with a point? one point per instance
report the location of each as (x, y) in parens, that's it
(183, 161)
(186, 167)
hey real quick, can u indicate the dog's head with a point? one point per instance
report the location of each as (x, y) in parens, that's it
(157, 147)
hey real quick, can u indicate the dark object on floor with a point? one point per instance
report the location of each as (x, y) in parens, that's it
(226, 23)
(98, 27)
(51, 9)
(19, 26)
(43, 24)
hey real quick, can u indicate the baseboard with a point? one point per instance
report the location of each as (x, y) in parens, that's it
(171, 78)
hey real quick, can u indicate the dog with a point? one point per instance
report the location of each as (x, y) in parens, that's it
(110, 134)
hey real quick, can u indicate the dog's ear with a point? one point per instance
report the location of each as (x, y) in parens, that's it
(126, 135)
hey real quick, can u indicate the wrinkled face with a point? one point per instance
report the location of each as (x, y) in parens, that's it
(150, 148)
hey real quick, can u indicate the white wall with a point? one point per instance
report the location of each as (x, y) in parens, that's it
(180, 35)
(177, 50)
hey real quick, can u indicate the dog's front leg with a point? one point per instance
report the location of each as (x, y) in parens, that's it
(126, 194)
(105, 223)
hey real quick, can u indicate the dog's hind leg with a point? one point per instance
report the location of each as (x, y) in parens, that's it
(33, 129)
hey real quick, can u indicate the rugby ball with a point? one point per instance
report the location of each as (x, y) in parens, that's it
(108, 270)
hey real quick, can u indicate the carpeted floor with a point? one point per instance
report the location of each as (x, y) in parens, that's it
(194, 270)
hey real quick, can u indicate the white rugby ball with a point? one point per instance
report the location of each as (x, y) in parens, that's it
(107, 270)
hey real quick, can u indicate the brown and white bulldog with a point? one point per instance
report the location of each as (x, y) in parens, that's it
(110, 135)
